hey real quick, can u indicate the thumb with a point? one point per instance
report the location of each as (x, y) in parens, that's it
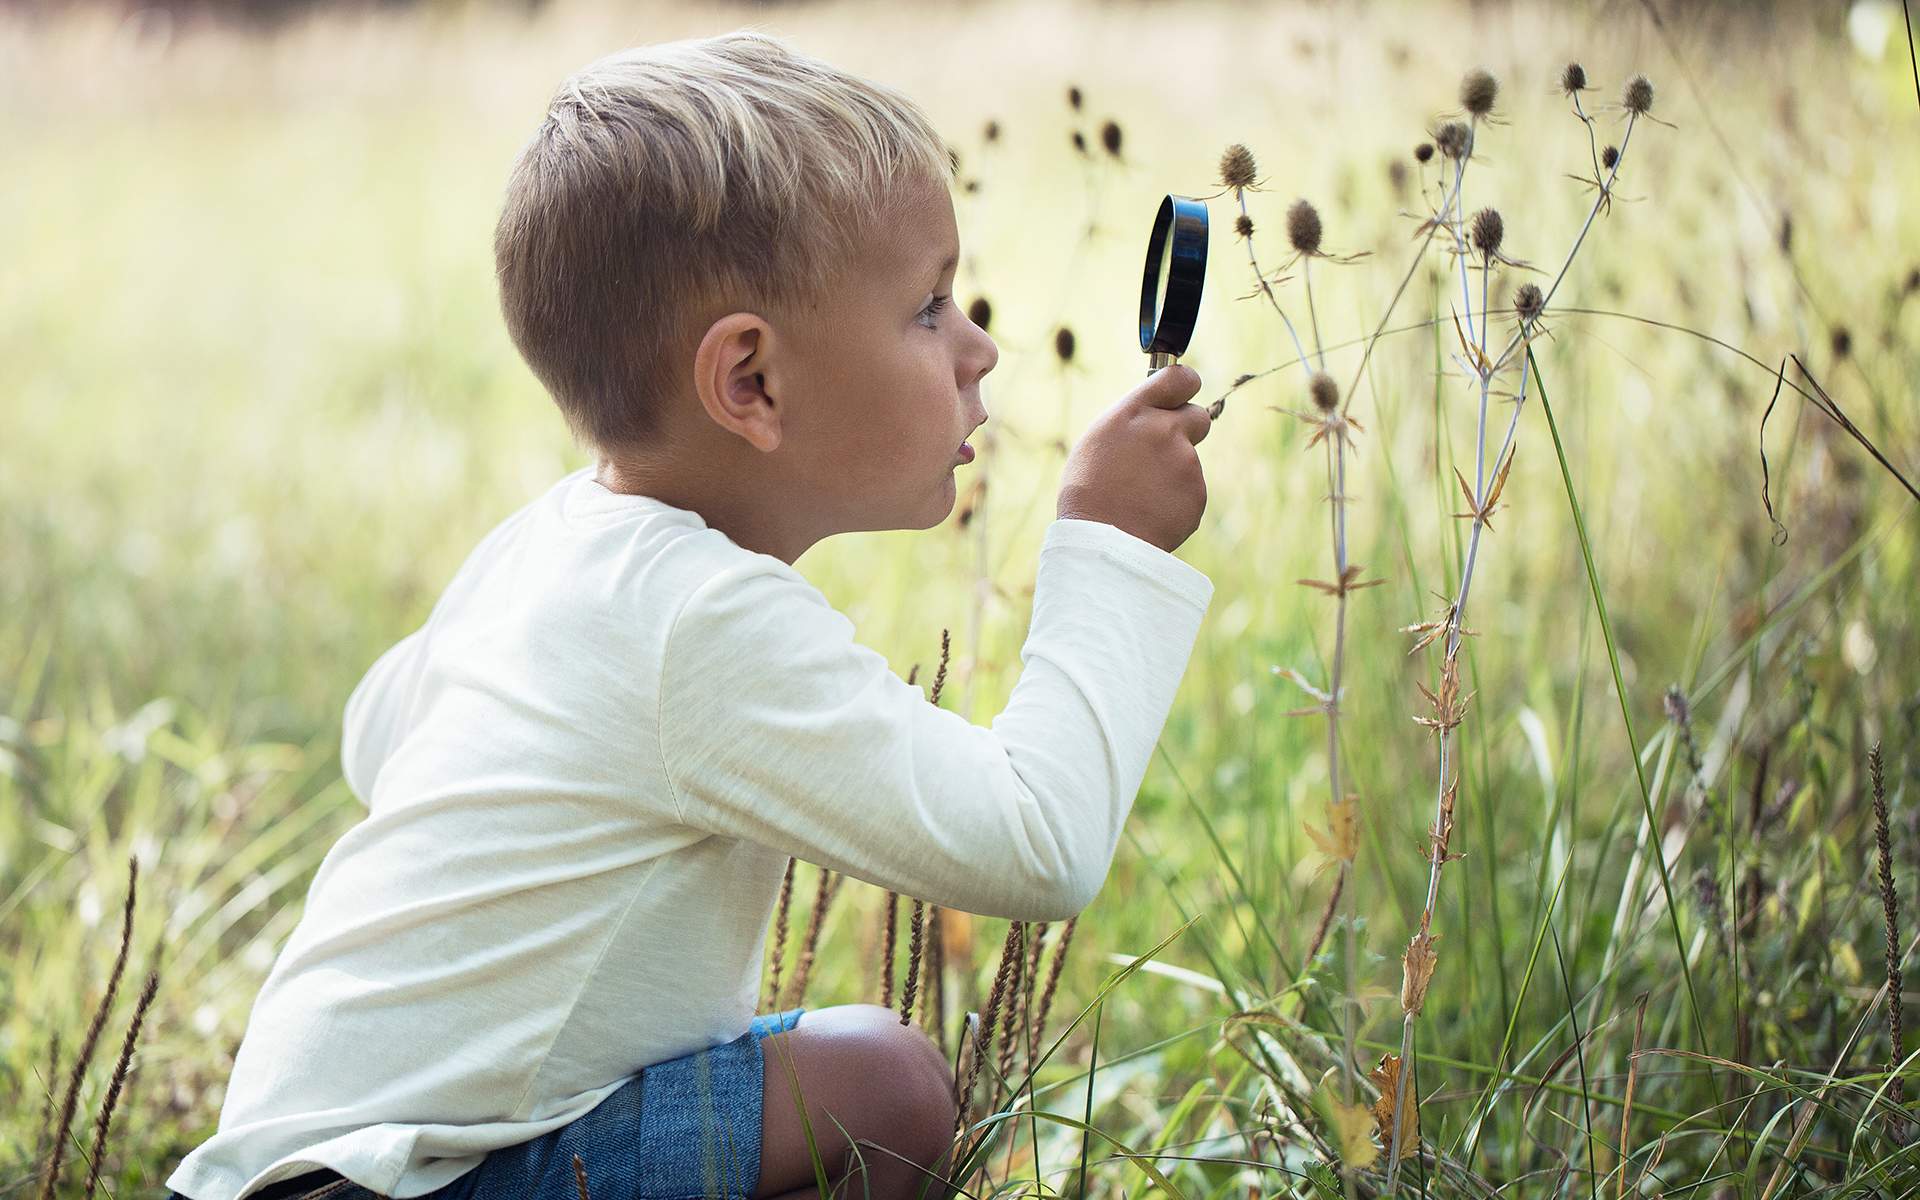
(1169, 387)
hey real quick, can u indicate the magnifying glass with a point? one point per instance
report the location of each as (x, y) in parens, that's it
(1170, 288)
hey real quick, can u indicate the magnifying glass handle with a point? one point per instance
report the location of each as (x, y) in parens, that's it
(1159, 359)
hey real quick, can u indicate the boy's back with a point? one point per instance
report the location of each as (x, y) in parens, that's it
(585, 775)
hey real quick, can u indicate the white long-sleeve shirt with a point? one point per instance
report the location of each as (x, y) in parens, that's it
(584, 776)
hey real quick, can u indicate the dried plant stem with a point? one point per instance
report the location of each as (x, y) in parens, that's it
(916, 935)
(822, 897)
(780, 934)
(887, 944)
(1890, 906)
(1241, 195)
(93, 1036)
(1449, 706)
(983, 1041)
(936, 982)
(1008, 1031)
(1053, 977)
(119, 1079)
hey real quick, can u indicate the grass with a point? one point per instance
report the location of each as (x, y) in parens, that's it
(260, 406)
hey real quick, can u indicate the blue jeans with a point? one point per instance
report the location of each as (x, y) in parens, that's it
(685, 1128)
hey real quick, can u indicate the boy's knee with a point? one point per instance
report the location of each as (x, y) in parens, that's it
(914, 1077)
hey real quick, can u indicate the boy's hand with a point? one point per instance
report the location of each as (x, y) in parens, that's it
(1135, 467)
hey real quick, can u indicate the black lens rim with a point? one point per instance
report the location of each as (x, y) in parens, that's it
(1184, 220)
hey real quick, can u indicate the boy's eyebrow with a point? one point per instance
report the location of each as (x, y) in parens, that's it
(946, 264)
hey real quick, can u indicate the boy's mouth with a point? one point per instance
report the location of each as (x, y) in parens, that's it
(966, 452)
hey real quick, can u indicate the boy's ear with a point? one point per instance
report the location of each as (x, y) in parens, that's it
(729, 377)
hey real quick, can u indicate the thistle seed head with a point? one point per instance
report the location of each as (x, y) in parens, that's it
(1063, 344)
(1073, 96)
(1303, 227)
(992, 132)
(1573, 78)
(1110, 138)
(1451, 137)
(1528, 302)
(1243, 225)
(1487, 231)
(1397, 174)
(1423, 152)
(1638, 96)
(1236, 166)
(980, 312)
(1477, 91)
(1325, 392)
(1609, 156)
(1079, 141)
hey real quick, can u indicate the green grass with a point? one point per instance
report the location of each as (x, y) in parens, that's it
(259, 405)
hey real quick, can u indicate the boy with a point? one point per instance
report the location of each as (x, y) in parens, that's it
(731, 267)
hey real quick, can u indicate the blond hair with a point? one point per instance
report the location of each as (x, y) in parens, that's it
(667, 180)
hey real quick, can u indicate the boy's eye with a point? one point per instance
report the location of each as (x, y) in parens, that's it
(936, 307)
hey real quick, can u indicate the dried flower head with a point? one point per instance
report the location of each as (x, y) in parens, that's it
(1243, 225)
(1236, 166)
(992, 132)
(1397, 174)
(1842, 341)
(1079, 141)
(1637, 98)
(1573, 78)
(1303, 227)
(1451, 138)
(1913, 281)
(1487, 231)
(1609, 156)
(1110, 138)
(1528, 302)
(1073, 96)
(1063, 344)
(1325, 392)
(1424, 151)
(1477, 91)
(980, 312)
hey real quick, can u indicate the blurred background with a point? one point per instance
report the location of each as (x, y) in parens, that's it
(257, 405)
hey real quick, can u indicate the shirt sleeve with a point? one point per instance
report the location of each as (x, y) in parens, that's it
(777, 727)
(371, 724)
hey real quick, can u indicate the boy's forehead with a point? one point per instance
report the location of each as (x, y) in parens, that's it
(919, 240)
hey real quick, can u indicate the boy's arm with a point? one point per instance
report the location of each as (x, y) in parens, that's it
(777, 727)
(371, 723)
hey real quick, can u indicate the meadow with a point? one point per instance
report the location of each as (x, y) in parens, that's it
(1557, 837)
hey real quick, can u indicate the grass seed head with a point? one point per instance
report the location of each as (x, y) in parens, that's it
(1573, 78)
(1303, 227)
(980, 312)
(1528, 302)
(1243, 225)
(1236, 166)
(1423, 152)
(1063, 344)
(1487, 231)
(1477, 92)
(1609, 156)
(1325, 392)
(1451, 137)
(1110, 138)
(1638, 96)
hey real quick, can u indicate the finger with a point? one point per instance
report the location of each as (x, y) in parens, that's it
(1195, 422)
(1169, 387)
